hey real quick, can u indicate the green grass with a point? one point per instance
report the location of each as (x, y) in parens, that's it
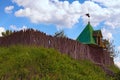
(36, 63)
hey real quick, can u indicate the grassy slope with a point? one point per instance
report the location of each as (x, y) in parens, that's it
(34, 63)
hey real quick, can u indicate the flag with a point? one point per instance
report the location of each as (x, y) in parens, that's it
(88, 15)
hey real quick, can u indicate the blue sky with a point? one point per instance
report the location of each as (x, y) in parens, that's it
(50, 16)
(8, 19)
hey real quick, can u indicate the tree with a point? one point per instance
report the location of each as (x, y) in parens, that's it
(6, 33)
(60, 34)
(110, 47)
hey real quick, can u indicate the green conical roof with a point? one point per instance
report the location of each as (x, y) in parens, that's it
(86, 37)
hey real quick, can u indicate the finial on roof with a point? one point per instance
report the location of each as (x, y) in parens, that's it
(88, 15)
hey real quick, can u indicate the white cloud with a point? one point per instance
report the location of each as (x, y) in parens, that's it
(113, 11)
(9, 9)
(109, 3)
(64, 14)
(23, 28)
(18, 28)
(118, 48)
(117, 57)
(107, 34)
(97, 13)
(2, 29)
(117, 64)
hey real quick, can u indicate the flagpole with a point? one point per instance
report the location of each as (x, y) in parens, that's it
(88, 14)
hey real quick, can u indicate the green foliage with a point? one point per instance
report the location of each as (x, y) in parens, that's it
(116, 71)
(60, 34)
(8, 32)
(117, 76)
(110, 47)
(36, 63)
(114, 68)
